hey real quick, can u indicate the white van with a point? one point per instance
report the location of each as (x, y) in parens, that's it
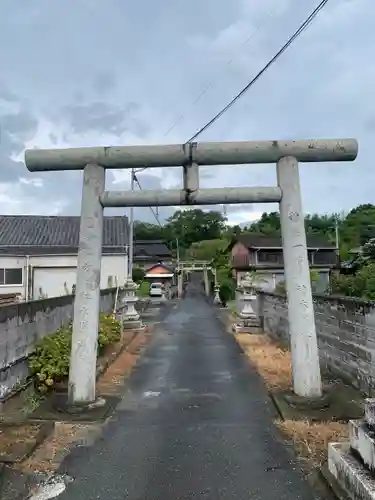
(156, 290)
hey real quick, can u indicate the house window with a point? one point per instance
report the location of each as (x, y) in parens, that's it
(270, 258)
(11, 276)
(322, 258)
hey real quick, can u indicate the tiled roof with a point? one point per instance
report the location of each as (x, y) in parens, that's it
(41, 235)
(262, 241)
(145, 250)
(167, 268)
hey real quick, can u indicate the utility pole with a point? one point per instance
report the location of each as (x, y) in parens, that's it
(179, 277)
(337, 234)
(178, 253)
(131, 229)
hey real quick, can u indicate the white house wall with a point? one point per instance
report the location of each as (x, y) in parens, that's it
(53, 281)
(113, 266)
(49, 270)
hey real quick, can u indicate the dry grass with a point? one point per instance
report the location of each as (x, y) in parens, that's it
(274, 364)
(311, 438)
(17, 435)
(271, 362)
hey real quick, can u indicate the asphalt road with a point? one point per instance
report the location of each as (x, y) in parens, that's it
(195, 423)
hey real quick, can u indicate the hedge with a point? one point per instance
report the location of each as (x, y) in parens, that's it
(49, 363)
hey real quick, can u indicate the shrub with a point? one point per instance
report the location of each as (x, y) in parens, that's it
(138, 274)
(109, 330)
(226, 292)
(49, 363)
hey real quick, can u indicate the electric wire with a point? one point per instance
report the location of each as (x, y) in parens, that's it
(152, 210)
(211, 85)
(302, 27)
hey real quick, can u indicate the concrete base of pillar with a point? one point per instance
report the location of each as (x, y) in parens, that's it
(59, 407)
(303, 403)
(247, 324)
(133, 325)
(357, 482)
(80, 408)
(243, 328)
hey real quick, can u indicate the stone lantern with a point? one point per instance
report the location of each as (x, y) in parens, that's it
(246, 305)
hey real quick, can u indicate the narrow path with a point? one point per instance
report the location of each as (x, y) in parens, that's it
(195, 424)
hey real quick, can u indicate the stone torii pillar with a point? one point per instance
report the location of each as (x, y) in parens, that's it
(304, 347)
(82, 373)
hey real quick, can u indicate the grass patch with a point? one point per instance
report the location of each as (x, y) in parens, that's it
(143, 290)
(232, 306)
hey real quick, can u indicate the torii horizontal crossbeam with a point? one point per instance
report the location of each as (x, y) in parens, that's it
(201, 153)
(171, 197)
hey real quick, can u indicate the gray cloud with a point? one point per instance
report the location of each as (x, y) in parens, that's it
(15, 129)
(102, 117)
(104, 82)
(136, 77)
(21, 126)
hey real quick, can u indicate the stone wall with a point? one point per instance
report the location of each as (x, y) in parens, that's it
(24, 323)
(345, 329)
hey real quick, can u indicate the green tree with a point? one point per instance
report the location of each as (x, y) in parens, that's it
(268, 224)
(190, 226)
(138, 274)
(226, 282)
(147, 231)
(207, 249)
(231, 231)
(360, 285)
(358, 226)
(321, 225)
(315, 224)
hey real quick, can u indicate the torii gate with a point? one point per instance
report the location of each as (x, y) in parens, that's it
(195, 265)
(95, 161)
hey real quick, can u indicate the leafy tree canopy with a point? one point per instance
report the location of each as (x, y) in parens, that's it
(207, 249)
(205, 235)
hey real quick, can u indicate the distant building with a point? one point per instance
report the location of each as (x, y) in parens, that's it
(152, 252)
(160, 273)
(263, 254)
(38, 254)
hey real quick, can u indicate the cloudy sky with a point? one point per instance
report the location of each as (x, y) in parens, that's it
(117, 72)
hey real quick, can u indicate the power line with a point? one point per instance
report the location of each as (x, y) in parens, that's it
(303, 26)
(210, 85)
(152, 210)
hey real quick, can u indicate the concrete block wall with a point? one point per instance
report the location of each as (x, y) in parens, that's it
(345, 329)
(24, 323)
